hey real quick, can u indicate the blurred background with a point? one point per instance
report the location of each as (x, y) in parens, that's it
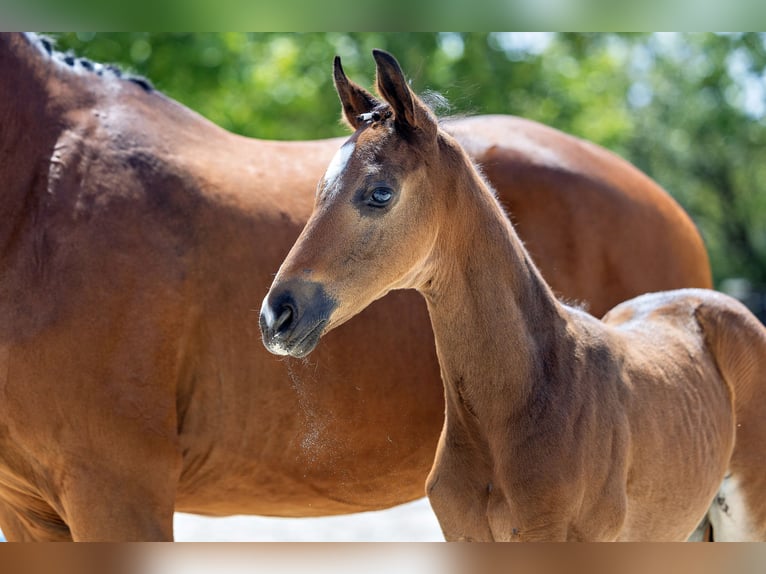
(687, 108)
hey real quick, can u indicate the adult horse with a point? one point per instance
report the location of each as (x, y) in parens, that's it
(137, 241)
(558, 426)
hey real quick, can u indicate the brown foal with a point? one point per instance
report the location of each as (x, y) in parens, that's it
(558, 426)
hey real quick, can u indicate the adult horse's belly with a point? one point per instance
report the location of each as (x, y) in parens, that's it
(351, 428)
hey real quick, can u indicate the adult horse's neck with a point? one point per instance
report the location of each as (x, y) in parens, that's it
(29, 76)
(32, 115)
(496, 322)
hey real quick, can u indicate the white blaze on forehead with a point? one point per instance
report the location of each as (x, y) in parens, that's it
(338, 163)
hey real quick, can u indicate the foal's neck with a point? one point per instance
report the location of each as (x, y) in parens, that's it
(495, 320)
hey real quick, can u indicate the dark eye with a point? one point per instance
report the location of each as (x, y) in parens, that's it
(380, 196)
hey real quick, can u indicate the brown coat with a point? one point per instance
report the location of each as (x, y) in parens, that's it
(558, 426)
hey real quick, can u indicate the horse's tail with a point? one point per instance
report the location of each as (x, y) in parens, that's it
(737, 341)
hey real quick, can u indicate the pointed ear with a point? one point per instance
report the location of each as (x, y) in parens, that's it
(410, 113)
(355, 99)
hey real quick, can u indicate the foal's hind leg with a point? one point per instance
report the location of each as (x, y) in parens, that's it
(737, 513)
(703, 532)
(737, 340)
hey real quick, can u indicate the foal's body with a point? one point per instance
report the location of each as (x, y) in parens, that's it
(562, 427)
(558, 426)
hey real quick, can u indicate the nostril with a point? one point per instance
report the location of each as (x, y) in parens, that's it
(277, 314)
(293, 317)
(284, 319)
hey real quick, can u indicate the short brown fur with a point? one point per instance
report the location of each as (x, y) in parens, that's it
(558, 426)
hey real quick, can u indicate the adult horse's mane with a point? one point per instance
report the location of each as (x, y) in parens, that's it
(48, 46)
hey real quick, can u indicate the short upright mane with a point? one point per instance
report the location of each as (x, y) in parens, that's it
(47, 46)
(436, 102)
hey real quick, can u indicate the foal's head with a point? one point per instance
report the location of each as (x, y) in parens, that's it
(375, 218)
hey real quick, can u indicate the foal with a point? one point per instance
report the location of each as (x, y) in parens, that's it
(558, 426)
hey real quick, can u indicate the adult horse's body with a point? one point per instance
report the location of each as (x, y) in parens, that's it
(558, 426)
(137, 240)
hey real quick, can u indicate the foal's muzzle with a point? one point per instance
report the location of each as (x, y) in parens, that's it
(293, 317)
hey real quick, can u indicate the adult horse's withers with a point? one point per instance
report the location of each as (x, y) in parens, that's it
(642, 426)
(137, 241)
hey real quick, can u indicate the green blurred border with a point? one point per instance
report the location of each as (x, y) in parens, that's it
(391, 15)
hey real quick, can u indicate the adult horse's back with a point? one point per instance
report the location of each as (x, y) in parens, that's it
(136, 244)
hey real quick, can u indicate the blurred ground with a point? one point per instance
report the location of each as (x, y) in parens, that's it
(413, 522)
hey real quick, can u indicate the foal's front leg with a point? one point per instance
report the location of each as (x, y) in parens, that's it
(473, 510)
(477, 499)
(457, 488)
(508, 525)
(459, 507)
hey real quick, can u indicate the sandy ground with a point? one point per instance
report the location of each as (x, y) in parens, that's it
(413, 522)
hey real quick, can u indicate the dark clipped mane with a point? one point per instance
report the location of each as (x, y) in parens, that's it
(47, 45)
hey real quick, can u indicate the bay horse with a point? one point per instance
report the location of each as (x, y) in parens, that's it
(136, 244)
(558, 426)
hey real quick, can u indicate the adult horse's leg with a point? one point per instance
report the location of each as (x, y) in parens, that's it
(108, 513)
(123, 491)
(117, 478)
(22, 524)
(104, 505)
(90, 429)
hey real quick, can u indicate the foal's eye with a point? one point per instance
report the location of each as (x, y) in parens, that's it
(380, 196)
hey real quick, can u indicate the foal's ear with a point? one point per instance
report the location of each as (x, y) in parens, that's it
(355, 99)
(411, 115)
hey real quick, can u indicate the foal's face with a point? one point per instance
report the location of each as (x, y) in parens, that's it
(371, 231)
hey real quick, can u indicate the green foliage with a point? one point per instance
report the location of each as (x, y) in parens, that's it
(687, 109)
(703, 139)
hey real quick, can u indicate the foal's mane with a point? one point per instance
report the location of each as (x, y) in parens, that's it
(47, 46)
